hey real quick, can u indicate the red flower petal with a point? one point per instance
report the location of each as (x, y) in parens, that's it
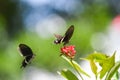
(69, 51)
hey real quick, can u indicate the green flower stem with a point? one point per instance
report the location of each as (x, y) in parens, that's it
(76, 70)
(95, 77)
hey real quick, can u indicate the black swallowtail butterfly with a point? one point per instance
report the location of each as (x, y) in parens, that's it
(65, 39)
(27, 53)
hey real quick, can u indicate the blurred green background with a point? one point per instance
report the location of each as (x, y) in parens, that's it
(33, 22)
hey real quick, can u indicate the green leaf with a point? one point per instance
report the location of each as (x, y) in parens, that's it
(112, 71)
(107, 64)
(104, 61)
(68, 74)
(93, 67)
(96, 56)
(76, 65)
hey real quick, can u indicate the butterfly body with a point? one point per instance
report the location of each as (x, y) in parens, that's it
(27, 53)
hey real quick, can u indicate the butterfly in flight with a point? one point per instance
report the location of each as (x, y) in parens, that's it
(27, 53)
(65, 39)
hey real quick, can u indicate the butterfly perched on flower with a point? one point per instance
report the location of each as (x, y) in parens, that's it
(27, 53)
(67, 36)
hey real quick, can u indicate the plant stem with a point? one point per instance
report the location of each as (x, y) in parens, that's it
(76, 70)
(96, 77)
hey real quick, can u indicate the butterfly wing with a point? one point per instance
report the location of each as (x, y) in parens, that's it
(25, 50)
(58, 36)
(68, 34)
(59, 39)
(24, 63)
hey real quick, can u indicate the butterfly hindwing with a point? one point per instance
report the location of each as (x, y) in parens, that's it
(58, 36)
(59, 39)
(24, 63)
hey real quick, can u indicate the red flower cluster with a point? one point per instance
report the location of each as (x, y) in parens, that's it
(68, 51)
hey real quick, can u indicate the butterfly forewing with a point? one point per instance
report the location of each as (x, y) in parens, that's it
(25, 50)
(68, 34)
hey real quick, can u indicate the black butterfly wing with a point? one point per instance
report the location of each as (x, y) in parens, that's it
(68, 34)
(28, 58)
(26, 61)
(25, 50)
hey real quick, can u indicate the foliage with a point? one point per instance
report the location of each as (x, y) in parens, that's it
(107, 63)
(68, 74)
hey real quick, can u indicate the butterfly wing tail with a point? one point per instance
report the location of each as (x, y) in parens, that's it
(24, 64)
